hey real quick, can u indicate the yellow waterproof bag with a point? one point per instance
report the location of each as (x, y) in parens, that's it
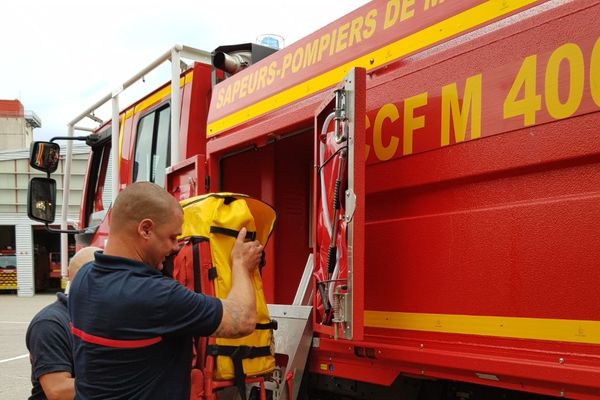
(219, 217)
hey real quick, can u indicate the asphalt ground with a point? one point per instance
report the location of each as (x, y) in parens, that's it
(15, 369)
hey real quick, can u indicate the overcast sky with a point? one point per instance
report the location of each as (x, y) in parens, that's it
(59, 57)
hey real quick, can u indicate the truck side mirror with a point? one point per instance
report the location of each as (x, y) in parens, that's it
(44, 156)
(41, 199)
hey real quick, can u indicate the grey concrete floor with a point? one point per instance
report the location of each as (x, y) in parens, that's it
(15, 370)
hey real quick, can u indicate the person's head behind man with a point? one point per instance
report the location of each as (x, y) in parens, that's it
(145, 222)
(80, 258)
(83, 256)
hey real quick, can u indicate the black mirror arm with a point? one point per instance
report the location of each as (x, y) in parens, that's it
(83, 138)
(73, 231)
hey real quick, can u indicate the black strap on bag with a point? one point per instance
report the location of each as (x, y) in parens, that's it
(212, 273)
(232, 232)
(237, 355)
(197, 283)
(272, 324)
(196, 261)
(196, 266)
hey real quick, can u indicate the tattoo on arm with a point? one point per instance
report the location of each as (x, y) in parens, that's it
(235, 322)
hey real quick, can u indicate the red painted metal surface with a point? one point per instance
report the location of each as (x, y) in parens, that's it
(533, 372)
(494, 220)
(247, 172)
(293, 163)
(370, 27)
(195, 111)
(511, 218)
(482, 186)
(186, 179)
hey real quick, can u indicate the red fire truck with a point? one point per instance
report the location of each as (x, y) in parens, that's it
(55, 267)
(437, 162)
(8, 269)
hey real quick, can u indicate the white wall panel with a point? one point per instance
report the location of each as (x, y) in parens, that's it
(24, 245)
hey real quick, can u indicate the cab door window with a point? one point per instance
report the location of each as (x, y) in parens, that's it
(152, 149)
(98, 193)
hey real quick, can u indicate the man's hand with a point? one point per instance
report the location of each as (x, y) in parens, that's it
(239, 308)
(246, 254)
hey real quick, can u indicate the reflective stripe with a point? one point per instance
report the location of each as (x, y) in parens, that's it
(122, 344)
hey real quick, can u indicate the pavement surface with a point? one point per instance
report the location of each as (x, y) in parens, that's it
(15, 369)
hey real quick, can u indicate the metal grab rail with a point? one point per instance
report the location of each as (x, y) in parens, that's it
(174, 54)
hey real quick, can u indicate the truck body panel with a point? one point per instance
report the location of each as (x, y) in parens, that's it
(481, 187)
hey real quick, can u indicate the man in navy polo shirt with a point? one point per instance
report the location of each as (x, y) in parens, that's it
(50, 343)
(132, 326)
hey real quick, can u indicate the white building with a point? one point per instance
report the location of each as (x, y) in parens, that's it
(32, 242)
(33, 246)
(16, 125)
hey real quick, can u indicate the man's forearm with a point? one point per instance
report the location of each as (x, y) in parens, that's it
(58, 386)
(239, 308)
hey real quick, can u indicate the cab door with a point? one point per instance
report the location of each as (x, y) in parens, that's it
(339, 201)
(97, 192)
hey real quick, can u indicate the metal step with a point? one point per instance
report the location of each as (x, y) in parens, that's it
(293, 339)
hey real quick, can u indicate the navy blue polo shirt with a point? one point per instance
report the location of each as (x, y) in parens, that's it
(133, 330)
(49, 342)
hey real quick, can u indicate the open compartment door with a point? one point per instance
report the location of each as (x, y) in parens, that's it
(339, 204)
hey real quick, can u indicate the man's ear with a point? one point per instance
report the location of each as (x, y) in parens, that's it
(145, 227)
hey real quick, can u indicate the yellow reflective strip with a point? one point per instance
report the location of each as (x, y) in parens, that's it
(151, 100)
(464, 21)
(563, 330)
(121, 142)
(129, 113)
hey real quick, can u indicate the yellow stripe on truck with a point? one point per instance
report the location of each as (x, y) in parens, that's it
(561, 330)
(462, 22)
(152, 99)
(147, 102)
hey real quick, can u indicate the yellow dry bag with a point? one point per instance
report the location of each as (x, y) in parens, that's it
(219, 217)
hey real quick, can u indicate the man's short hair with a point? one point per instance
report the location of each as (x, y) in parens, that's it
(139, 201)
